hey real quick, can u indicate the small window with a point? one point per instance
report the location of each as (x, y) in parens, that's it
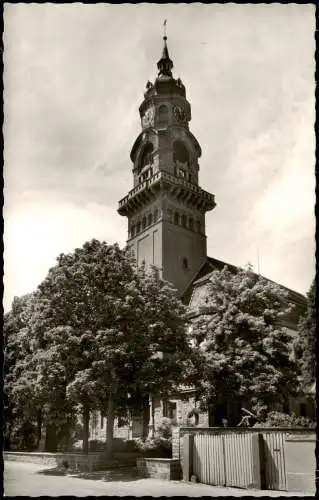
(149, 219)
(176, 218)
(190, 177)
(146, 156)
(150, 172)
(198, 227)
(169, 410)
(191, 224)
(303, 410)
(183, 219)
(144, 223)
(102, 420)
(155, 215)
(180, 152)
(132, 230)
(138, 227)
(286, 407)
(185, 263)
(121, 422)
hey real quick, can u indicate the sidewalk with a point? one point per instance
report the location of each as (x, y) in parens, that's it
(30, 480)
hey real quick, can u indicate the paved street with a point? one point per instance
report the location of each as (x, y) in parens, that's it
(31, 480)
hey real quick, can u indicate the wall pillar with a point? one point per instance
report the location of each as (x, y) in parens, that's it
(187, 456)
(176, 443)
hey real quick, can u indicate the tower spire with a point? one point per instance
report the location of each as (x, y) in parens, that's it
(165, 64)
(164, 25)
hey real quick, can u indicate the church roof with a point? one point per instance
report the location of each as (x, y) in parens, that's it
(196, 294)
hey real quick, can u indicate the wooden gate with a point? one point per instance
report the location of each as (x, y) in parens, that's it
(227, 459)
(244, 458)
(273, 457)
(208, 459)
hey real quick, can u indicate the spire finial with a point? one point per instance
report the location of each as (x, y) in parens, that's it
(165, 64)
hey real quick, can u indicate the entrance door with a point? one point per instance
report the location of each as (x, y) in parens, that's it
(220, 412)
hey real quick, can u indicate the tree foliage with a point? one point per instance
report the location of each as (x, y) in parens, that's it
(20, 414)
(105, 333)
(279, 419)
(245, 353)
(33, 397)
(305, 346)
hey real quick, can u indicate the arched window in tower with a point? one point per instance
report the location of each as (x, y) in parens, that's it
(176, 218)
(163, 114)
(183, 220)
(149, 219)
(138, 227)
(146, 156)
(143, 223)
(180, 154)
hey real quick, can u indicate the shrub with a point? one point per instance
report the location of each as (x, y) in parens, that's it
(124, 445)
(164, 429)
(23, 436)
(77, 446)
(96, 445)
(278, 419)
(157, 447)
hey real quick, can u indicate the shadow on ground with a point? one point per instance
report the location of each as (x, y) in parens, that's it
(115, 474)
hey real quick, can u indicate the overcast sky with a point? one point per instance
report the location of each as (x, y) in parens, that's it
(74, 78)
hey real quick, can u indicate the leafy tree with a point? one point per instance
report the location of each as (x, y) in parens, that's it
(305, 346)
(245, 353)
(23, 421)
(103, 322)
(33, 400)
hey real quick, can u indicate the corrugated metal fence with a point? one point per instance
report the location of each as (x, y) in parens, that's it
(245, 458)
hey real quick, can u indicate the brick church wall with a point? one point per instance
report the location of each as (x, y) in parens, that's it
(98, 428)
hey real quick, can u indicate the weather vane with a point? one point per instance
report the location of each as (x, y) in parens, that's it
(164, 25)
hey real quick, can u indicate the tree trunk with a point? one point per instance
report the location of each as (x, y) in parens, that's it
(39, 427)
(51, 443)
(110, 427)
(86, 421)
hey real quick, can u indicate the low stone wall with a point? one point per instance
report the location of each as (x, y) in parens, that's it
(81, 462)
(72, 461)
(126, 457)
(31, 457)
(159, 468)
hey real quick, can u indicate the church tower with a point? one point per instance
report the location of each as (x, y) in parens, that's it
(166, 207)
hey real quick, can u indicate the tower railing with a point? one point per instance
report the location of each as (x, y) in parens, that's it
(165, 176)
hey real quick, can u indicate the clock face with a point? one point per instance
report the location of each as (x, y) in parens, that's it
(148, 117)
(179, 113)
